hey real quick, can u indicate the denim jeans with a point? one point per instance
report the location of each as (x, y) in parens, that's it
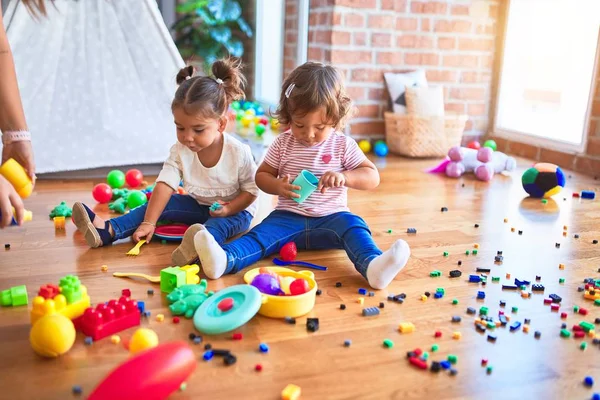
(186, 210)
(342, 230)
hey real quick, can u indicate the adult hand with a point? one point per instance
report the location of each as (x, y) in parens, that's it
(22, 152)
(9, 199)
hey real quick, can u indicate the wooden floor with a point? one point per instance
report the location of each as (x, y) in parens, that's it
(550, 367)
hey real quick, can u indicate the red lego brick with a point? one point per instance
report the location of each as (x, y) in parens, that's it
(575, 194)
(418, 352)
(237, 336)
(48, 291)
(555, 307)
(126, 292)
(500, 312)
(417, 362)
(583, 311)
(547, 301)
(577, 328)
(563, 315)
(484, 361)
(109, 318)
(176, 320)
(579, 334)
(438, 334)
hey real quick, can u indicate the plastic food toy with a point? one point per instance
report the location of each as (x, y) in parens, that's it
(61, 210)
(52, 335)
(151, 374)
(288, 252)
(134, 178)
(483, 162)
(267, 284)
(115, 178)
(543, 180)
(143, 339)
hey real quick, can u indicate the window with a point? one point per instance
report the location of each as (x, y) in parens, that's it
(547, 73)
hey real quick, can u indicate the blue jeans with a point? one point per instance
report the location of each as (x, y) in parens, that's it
(186, 210)
(342, 230)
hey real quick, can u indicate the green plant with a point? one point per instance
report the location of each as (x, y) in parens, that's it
(211, 29)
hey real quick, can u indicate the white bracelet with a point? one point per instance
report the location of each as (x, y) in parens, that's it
(148, 223)
(15, 136)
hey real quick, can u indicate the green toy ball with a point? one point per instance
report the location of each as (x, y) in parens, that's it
(236, 105)
(136, 198)
(240, 114)
(491, 144)
(115, 179)
(260, 129)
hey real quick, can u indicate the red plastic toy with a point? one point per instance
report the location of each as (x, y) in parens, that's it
(237, 336)
(475, 145)
(288, 252)
(102, 193)
(150, 375)
(108, 319)
(225, 304)
(134, 178)
(48, 291)
(126, 292)
(299, 286)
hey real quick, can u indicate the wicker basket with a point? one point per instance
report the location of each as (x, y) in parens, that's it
(417, 136)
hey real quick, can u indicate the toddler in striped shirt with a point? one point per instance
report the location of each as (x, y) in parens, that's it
(315, 105)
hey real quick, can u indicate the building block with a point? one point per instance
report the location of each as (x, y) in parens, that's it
(59, 304)
(59, 223)
(15, 296)
(588, 194)
(586, 326)
(109, 318)
(291, 392)
(370, 311)
(191, 274)
(435, 274)
(171, 278)
(362, 291)
(70, 287)
(48, 291)
(406, 327)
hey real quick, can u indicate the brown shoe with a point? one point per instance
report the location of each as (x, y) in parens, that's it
(186, 252)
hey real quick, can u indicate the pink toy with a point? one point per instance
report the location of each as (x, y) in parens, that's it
(150, 374)
(483, 162)
(102, 193)
(134, 178)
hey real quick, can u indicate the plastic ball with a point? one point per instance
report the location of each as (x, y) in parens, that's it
(236, 105)
(246, 121)
(267, 284)
(260, 129)
(365, 146)
(240, 114)
(286, 282)
(134, 178)
(247, 105)
(491, 144)
(260, 110)
(381, 149)
(543, 180)
(116, 179)
(102, 193)
(263, 121)
(274, 124)
(474, 145)
(143, 339)
(52, 335)
(299, 286)
(136, 198)
(250, 112)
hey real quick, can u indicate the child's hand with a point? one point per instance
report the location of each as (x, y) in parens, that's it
(286, 189)
(331, 179)
(224, 211)
(144, 231)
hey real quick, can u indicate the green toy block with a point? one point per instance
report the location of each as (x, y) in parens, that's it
(514, 309)
(446, 254)
(491, 325)
(495, 279)
(474, 252)
(70, 288)
(435, 348)
(388, 343)
(586, 326)
(171, 278)
(467, 252)
(452, 358)
(561, 280)
(597, 302)
(435, 274)
(440, 290)
(583, 346)
(575, 308)
(523, 287)
(455, 301)
(565, 333)
(483, 311)
(15, 296)
(425, 355)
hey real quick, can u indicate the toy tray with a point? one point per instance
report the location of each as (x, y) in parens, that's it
(171, 233)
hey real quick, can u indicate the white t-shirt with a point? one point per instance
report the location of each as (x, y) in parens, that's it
(233, 173)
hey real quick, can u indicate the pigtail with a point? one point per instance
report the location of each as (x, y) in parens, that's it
(228, 75)
(184, 74)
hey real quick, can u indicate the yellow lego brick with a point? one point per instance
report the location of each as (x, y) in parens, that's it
(59, 223)
(42, 306)
(477, 321)
(456, 335)
(191, 274)
(291, 392)
(476, 245)
(591, 333)
(160, 317)
(525, 328)
(423, 297)
(406, 327)
(361, 300)
(589, 296)
(561, 266)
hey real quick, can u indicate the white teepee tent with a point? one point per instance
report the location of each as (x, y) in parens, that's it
(97, 78)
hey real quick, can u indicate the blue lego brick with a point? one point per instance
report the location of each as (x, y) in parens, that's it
(521, 282)
(263, 348)
(208, 355)
(141, 306)
(445, 364)
(588, 194)
(438, 295)
(474, 278)
(370, 311)
(515, 325)
(362, 291)
(480, 295)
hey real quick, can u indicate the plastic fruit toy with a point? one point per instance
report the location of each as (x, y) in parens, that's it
(288, 252)
(267, 284)
(299, 286)
(52, 335)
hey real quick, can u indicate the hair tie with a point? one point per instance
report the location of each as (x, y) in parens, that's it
(288, 91)
(188, 77)
(219, 81)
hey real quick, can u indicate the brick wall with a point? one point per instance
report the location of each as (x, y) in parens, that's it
(290, 47)
(452, 41)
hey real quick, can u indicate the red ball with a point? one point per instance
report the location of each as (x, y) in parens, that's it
(134, 178)
(102, 193)
(258, 367)
(263, 121)
(176, 320)
(148, 195)
(474, 145)
(288, 252)
(299, 286)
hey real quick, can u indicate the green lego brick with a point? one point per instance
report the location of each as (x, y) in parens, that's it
(565, 333)
(435, 273)
(455, 301)
(474, 252)
(435, 348)
(597, 302)
(425, 355)
(583, 345)
(70, 288)
(523, 287)
(483, 311)
(446, 254)
(491, 325)
(495, 279)
(388, 343)
(515, 309)
(575, 308)
(561, 280)
(15, 296)
(452, 358)
(586, 326)
(440, 290)
(171, 278)
(467, 252)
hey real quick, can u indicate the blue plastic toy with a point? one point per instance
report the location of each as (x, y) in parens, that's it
(380, 149)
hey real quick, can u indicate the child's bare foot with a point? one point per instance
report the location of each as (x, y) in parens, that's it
(212, 256)
(186, 252)
(97, 232)
(383, 269)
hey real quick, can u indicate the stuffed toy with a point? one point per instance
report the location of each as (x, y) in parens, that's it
(484, 162)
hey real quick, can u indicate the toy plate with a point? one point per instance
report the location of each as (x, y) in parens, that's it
(211, 320)
(171, 233)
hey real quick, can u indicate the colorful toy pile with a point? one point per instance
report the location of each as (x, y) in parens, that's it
(251, 114)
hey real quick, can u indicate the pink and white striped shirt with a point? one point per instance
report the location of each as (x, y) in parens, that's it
(338, 153)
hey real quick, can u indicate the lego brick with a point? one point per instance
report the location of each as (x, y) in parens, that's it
(48, 291)
(370, 311)
(362, 291)
(483, 270)
(411, 230)
(406, 327)
(171, 278)
(579, 334)
(452, 358)
(474, 278)
(388, 343)
(509, 287)
(480, 295)
(515, 325)
(492, 338)
(536, 287)
(418, 362)
(109, 318)
(499, 259)
(15, 296)
(521, 282)
(483, 311)
(59, 305)
(555, 298)
(312, 324)
(435, 274)
(586, 326)
(435, 366)
(503, 320)
(70, 287)
(455, 273)
(438, 295)
(588, 194)
(471, 310)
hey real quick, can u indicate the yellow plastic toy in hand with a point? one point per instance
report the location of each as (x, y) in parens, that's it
(16, 175)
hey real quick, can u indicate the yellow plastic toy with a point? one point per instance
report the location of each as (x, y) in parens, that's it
(365, 146)
(143, 339)
(58, 305)
(16, 175)
(52, 335)
(286, 306)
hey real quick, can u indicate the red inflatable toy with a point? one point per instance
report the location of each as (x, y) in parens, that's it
(475, 145)
(134, 178)
(150, 375)
(102, 193)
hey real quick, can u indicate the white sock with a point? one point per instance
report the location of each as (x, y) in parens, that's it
(212, 256)
(383, 269)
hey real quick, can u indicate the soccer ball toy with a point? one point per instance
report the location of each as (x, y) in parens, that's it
(543, 180)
